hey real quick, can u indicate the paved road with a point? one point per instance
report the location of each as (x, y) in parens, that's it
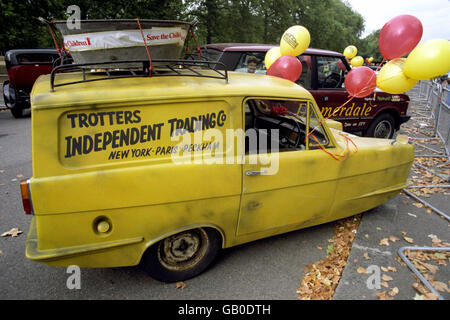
(266, 269)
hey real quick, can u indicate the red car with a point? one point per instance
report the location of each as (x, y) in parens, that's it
(323, 74)
(24, 66)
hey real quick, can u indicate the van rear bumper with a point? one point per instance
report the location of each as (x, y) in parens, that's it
(50, 255)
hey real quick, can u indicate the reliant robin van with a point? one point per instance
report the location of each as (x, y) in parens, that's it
(165, 167)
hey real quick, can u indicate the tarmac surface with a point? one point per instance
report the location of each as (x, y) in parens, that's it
(267, 269)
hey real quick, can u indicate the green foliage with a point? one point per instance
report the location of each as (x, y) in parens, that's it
(368, 47)
(332, 24)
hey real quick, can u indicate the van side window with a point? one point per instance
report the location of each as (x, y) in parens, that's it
(318, 136)
(270, 123)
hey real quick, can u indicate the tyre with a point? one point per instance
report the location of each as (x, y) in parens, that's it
(17, 111)
(382, 126)
(183, 255)
(10, 98)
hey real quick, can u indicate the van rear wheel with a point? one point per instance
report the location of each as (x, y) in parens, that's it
(183, 255)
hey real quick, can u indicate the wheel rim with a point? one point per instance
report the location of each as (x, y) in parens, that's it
(183, 250)
(383, 129)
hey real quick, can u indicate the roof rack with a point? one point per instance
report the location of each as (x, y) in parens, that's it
(129, 69)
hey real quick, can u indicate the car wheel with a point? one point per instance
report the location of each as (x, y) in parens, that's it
(183, 255)
(382, 126)
(17, 111)
(10, 98)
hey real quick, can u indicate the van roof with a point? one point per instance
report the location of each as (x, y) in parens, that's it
(140, 89)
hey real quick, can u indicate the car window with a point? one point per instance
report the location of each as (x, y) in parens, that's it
(331, 72)
(305, 77)
(210, 54)
(35, 58)
(256, 58)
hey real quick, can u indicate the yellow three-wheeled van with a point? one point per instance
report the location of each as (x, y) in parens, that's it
(168, 169)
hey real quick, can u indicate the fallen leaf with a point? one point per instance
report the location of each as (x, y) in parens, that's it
(367, 236)
(440, 286)
(407, 239)
(361, 270)
(384, 242)
(439, 255)
(330, 248)
(430, 267)
(14, 232)
(436, 240)
(386, 278)
(382, 296)
(181, 285)
(366, 255)
(412, 215)
(418, 297)
(393, 239)
(384, 269)
(430, 296)
(394, 292)
(19, 176)
(385, 284)
(378, 228)
(417, 205)
(393, 269)
(320, 248)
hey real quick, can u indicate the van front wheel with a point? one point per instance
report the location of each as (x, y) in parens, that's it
(183, 255)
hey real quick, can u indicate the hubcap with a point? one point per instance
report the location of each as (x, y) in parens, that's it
(383, 129)
(183, 250)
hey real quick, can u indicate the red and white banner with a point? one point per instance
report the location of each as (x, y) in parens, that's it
(124, 39)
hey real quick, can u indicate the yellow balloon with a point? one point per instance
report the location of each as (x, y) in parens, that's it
(428, 60)
(392, 79)
(350, 52)
(271, 56)
(295, 41)
(357, 61)
(370, 59)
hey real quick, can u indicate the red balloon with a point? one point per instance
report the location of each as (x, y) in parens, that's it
(286, 67)
(360, 82)
(399, 36)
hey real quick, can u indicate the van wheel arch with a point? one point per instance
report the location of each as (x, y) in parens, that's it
(182, 255)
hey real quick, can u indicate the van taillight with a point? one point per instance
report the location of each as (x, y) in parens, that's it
(26, 199)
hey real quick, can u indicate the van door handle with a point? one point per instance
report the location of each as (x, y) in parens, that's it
(254, 173)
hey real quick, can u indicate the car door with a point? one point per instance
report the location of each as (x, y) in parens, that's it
(288, 189)
(330, 94)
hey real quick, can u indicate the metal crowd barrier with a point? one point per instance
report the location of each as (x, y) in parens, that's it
(438, 100)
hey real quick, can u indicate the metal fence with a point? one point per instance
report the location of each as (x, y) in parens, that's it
(437, 98)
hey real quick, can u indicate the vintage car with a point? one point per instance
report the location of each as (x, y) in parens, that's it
(323, 75)
(165, 169)
(24, 66)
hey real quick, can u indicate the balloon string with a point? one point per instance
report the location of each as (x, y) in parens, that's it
(337, 109)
